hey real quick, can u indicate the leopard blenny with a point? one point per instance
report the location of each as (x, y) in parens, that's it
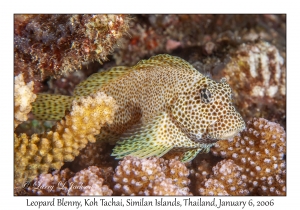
(165, 105)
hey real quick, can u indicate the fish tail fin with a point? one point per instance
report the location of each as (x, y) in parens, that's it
(51, 107)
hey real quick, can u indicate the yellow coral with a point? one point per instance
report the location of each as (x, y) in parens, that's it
(23, 97)
(38, 153)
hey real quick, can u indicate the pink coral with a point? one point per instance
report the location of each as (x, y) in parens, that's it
(55, 183)
(259, 152)
(151, 176)
(89, 182)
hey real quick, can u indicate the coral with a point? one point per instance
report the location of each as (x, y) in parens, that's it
(177, 171)
(258, 154)
(55, 183)
(157, 33)
(89, 182)
(225, 46)
(226, 180)
(201, 169)
(152, 176)
(257, 76)
(39, 153)
(23, 97)
(47, 45)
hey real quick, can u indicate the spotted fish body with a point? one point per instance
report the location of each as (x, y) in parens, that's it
(164, 104)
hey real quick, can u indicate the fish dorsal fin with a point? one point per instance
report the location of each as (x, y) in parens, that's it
(98, 80)
(164, 60)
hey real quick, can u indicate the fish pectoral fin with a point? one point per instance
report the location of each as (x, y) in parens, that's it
(156, 138)
(51, 107)
(151, 139)
(191, 154)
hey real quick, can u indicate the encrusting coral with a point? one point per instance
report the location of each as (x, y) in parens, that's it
(54, 44)
(39, 153)
(23, 97)
(254, 164)
(156, 33)
(151, 176)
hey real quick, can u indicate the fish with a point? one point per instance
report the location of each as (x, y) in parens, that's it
(164, 105)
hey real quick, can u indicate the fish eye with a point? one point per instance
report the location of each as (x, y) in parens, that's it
(205, 96)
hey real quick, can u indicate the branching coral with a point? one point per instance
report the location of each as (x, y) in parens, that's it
(152, 176)
(89, 182)
(53, 44)
(258, 159)
(226, 180)
(39, 153)
(55, 183)
(23, 97)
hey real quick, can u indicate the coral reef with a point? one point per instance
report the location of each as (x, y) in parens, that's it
(23, 97)
(254, 160)
(47, 45)
(39, 153)
(211, 34)
(248, 50)
(152, 176)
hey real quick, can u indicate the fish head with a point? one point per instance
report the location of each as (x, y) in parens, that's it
(205, 113)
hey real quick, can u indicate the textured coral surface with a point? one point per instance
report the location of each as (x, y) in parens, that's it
(152, 176)
(39, 153)
(47, 45)
(258, 154)
(262, 71)
(248, 50)
(23, 97)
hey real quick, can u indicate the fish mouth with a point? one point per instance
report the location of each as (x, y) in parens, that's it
(229, 135)
(213, 133)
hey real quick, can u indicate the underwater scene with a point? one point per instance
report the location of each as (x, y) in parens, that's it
(150, 105)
